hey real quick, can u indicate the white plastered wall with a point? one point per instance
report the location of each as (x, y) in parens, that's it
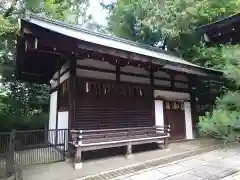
(108, 75)
(171, 95)
(159, 115)
(188, 120)
(62, 122)
(62, 125)
(52, 117)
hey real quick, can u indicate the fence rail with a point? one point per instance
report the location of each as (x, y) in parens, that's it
(19, 149)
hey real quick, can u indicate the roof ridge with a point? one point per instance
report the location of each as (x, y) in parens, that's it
(113, 37)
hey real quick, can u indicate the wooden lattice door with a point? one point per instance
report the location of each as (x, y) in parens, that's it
(174, 116)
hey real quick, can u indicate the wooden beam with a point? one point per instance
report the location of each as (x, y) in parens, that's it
(72, 93)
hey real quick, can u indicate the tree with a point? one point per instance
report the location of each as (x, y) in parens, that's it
(176, 21)
(224, 121)
(25, 105)
(126, 20)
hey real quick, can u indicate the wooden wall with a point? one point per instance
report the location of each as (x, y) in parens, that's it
(114, 96)
(102, 104)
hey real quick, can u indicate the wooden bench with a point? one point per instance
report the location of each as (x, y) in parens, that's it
(86, 140)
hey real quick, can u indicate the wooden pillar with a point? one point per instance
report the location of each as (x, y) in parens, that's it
(117, 73)
(152, 90)
(72, 93)
(58, 95)
(117, 88)
(71, 102)
(192, 88)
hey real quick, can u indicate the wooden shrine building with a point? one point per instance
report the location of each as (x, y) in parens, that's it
(103, 82)
(223, 31)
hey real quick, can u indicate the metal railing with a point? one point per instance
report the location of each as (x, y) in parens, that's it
(19, 149)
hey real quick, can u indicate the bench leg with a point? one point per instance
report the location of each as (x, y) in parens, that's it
(166, 144)
(160, 144)
(78, 159)
(129, 152)
(163, 144)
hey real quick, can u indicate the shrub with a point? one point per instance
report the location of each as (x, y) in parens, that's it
(221, 124)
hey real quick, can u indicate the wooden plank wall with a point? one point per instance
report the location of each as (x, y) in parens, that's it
(103, 105)
(115, 96)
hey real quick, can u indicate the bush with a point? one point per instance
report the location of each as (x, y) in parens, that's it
(221, 124)
(36, 121)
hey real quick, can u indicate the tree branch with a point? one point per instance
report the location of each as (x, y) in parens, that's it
(10, 10)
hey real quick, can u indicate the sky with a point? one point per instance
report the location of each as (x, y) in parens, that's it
(98, 13)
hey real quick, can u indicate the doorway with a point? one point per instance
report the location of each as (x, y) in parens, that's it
(174, 116)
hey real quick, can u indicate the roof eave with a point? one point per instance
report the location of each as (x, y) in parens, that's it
(151, 51)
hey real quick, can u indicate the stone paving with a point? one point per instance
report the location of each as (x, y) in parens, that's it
(112, 165)
(220, 164)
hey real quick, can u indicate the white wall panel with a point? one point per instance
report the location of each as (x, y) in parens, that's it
(95, 74)
(62, 79)
(63, 124)
(63, 68)
(134, 70)
(133, 79)
(159, 116)
(162, 74)
(180, 77)
(52, 117)
(172, 95)
(188, 120)
(96, 64)
(158, 82)
(180, 85)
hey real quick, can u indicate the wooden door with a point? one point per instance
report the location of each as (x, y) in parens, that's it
(175, 117)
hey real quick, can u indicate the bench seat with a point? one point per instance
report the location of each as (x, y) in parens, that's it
(86, 140)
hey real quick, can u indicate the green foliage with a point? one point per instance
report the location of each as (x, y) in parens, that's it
(232, 70)
(174, 20)
(175, 17)
(224, 121)
(126, 19)
(25, 105)
(221, 124)
(205, 56)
